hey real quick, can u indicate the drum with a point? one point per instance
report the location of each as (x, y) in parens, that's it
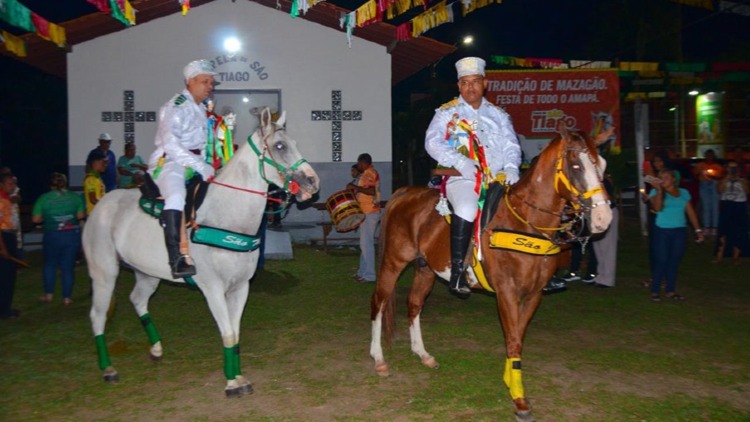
(346, 214)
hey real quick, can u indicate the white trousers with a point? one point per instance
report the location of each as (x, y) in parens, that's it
(461, 195)
(171, 183)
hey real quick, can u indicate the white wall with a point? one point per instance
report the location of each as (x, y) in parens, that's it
(306, 61)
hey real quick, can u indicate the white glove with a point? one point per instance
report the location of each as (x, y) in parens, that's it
(511, 175)
(206, 172)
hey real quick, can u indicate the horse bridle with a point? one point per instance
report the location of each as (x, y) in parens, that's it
(290, 186)
(580, 210)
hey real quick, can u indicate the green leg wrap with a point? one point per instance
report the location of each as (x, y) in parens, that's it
(101, 349)
(229, 363)
(236, 359)
(148, 325)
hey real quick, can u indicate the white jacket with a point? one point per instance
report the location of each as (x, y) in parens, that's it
(492, 126)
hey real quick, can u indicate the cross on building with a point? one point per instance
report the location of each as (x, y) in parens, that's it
(128, 116)
(336, 115)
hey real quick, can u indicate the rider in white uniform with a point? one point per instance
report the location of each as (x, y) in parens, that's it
(180, 145)
(447, 141)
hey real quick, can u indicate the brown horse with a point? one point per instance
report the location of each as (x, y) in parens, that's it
(569, 170)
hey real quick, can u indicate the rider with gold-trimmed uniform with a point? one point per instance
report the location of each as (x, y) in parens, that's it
(448, 142)
(180, 141)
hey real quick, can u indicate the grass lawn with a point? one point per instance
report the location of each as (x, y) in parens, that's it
(590, 354)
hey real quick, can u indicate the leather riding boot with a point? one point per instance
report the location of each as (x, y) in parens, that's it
(460, 240)
(171, 221)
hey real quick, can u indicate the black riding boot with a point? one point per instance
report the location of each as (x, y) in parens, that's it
(171, 221)
(460, 240)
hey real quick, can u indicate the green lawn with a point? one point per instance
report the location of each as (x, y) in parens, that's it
(590, 354)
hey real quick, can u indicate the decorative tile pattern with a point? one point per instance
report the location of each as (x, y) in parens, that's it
(128, 116)
(336, 115)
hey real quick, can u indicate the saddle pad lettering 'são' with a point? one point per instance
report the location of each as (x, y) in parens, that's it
(225, 239)
(522, 242)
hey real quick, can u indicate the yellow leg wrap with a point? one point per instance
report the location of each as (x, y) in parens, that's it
(512, 377)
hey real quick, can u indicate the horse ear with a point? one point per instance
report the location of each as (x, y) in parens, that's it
(562, 129)
(603, 136)
(265, 117)
(282, 119)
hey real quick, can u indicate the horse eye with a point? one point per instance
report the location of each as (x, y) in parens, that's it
(576, 167)
(279, 146)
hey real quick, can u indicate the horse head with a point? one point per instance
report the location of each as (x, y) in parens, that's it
(579, 172)
(282, 163)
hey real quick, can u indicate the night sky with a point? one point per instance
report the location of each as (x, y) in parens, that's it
(33, 123)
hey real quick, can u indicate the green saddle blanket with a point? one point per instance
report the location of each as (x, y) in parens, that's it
(206, 235)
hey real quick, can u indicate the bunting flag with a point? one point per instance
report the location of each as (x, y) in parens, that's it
(14, 44)
(403, 31)
(348, 21)
(433, 17)
(590, 64)
(101, 5)
(17, 15)
(367, 13)
(706, 4)
(185, 6)
(48, 30)
(468, 6)
(397, 7)
(123, 11)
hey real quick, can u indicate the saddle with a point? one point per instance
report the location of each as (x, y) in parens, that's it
(152, 202)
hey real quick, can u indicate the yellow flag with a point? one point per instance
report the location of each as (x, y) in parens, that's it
(57, 34)
(14, 44)
(129, 13)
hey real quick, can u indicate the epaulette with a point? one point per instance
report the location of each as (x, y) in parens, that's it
(180, 99)
(449, 104)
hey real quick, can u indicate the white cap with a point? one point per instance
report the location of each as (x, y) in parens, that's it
(197, 67)
(470, 66)
(105, 137)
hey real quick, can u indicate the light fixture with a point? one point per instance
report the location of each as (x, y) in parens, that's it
(232, 45)
(674, 108)
(693, 93)
(245, 100)
(468, 40)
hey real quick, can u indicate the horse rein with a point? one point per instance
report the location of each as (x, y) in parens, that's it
(290, 186)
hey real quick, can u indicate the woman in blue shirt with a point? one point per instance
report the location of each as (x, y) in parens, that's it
(672, 206)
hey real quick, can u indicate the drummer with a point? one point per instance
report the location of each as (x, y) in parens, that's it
(367, 189)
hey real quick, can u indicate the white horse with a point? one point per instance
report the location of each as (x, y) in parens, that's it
(118, 230)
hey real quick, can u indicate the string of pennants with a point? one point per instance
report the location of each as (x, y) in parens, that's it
(377, 10)
(16, 14)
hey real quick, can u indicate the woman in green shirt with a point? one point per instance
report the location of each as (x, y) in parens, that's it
(59, 211)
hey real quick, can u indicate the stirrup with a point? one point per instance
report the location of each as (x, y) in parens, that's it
(182, 268)
(460, 291)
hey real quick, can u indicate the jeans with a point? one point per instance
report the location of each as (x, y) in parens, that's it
(8, 273)
(668, 248)
(60, 250)
(709, 195)
(367, 246)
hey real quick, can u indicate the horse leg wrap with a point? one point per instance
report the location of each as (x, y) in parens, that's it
(101, 349)
(236, 360)
(512, 378)
(148, 325)
(231, 362)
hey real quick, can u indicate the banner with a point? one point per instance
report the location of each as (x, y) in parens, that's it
(708, 115)
(585, 99)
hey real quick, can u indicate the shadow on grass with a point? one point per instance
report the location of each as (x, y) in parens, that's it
(277, 283)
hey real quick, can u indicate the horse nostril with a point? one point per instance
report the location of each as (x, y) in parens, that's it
(310, 180)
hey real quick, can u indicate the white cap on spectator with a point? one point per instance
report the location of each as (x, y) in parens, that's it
(197, 67)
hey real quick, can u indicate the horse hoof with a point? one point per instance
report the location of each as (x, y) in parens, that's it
(524, 416)
(246, 389)
(233, 392)
(154, 358)
(112, 378)
(431, 363)
(382, 370)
